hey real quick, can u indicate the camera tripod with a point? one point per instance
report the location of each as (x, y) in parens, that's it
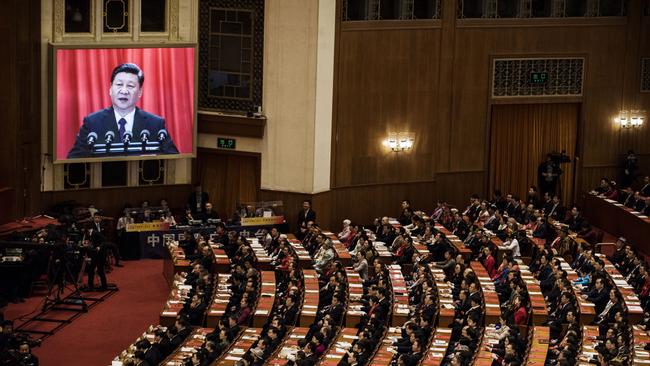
(60, 278)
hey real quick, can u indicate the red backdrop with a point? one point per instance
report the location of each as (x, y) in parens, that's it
(83, 80)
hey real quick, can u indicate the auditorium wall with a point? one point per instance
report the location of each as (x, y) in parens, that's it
(434, 78)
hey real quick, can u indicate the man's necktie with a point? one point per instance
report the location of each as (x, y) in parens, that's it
(122, 130)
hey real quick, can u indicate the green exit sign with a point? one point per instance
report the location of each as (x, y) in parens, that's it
(539, 77)
(225, 143)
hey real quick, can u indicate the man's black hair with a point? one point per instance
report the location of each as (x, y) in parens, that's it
(131, 69)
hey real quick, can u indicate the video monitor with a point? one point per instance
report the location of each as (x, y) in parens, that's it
(123, 103)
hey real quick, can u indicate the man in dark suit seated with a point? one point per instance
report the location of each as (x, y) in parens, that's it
(122, 118)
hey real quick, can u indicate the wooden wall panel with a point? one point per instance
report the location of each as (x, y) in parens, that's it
(386, 82)
(454, 62)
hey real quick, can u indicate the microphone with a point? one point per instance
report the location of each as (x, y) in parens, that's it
(162, 135)
(91, 138)
(144, 136)
(109, 137)
(126, 138)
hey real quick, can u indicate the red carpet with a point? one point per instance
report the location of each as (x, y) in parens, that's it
(96, 337)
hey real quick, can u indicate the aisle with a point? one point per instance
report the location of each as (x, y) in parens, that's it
(96, 337)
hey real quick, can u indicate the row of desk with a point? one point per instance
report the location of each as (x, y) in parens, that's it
(220, 299)
(491, 303)
(289, 347)
(538, 304)
(618, 220)
(191, 344)
(239, 347)
(353, 312)
(304, 259)
(310, 300)
(400, 295)
(630, 299)
(340, 248)
(587, 308)
(266, 300)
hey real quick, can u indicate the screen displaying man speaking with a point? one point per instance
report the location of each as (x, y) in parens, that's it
(123, 121)
(124, 102)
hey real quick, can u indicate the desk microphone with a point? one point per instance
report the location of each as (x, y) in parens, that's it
(92, 138)
(109, 137)
(144, 136)
(162, 135)
(126, 138)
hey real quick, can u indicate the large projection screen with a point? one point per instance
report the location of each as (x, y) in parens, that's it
(90, 111)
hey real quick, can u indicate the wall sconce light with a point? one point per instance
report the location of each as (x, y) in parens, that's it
(631, 119)
(402, 141)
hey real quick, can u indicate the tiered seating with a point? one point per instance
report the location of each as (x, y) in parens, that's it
(445, 298)
(639, 339)
(435, 354)
(400, 296)
(175, 301)
(537, 302)
(176, 262)
(492, 305)
(289, 346)
(630, 299)
(263, 259)
(353, 313)
(221, 260)
(304, 259)
(455, 241)
(385, 352)
(239, 347)
(266, 300)
(341, 250)
(589, 342)
(149, 335)
(539, 339)
(220, 300)
(587, 309)
(310, 298)
(339, 346)
(187, 348)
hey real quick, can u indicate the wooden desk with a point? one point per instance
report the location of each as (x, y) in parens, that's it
(193, 342)
(630, 299)
(435, 354)
(491, 302)
(539, 347)
(386, 351)
(445, 299)
(174, 262)
(588, 344)
(266, 301)
(175, 301)
(304, 259)
(639, 339)
(310, 299)
(239, 347)
(339, 346)
(456, 242)
(618, 220)
(353, 313)
(400, 296)
(288, 347)
(220, 299)
(221, 261)
(483, 356)
(149, 335)
(263, 259)
(537, 300)
(341, 250)
(587, 308)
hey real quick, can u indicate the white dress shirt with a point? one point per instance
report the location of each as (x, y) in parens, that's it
(128, 127)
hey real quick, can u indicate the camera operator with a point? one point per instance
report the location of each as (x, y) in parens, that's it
(629, 168)
(95, 251)
(548, 174)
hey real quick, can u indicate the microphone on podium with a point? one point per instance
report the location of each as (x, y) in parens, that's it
(144, 136)
(109, 137)
(91, 138)
(126, 138)
(162, 135)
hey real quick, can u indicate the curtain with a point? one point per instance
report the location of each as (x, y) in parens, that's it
(521, 135)
(83, 80)
(229, 179)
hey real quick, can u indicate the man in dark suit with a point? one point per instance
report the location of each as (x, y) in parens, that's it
(306, 215)
(197, 201)
(122, 118)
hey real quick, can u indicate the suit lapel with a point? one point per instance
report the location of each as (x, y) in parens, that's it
(139, 123)
(110, 124)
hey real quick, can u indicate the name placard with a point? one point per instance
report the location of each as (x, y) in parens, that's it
(261, 221)
(148, 226)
